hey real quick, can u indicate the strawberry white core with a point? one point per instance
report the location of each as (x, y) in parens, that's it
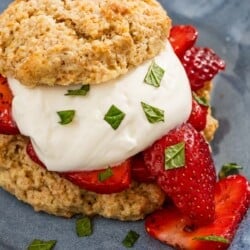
(89, 142)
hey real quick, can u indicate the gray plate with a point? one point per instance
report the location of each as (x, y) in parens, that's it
(225, 27)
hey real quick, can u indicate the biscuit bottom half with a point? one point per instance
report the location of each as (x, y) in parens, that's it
(47, 191)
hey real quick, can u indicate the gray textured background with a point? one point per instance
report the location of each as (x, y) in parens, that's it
(224, 26)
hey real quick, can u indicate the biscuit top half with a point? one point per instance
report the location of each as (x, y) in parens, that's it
(67, 42)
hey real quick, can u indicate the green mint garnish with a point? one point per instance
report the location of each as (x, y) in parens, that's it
(154, 75)
(106, 174)
(79, 92)
(175, 156)
(66, 116)
(213, 238)
(114, 117)
(229, 169)
(153, 114)
(201, 100)
(83, 227)
(41, 245)
(130, 239)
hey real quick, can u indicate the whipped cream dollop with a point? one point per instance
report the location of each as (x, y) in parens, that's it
(89, 142)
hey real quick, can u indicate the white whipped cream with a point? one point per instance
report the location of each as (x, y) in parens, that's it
(89, 142)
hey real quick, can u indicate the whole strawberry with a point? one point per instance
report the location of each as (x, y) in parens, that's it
(201, 65)
(183, 166)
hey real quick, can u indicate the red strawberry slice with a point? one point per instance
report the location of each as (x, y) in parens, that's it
(139, 171)
(234, 193)
(119, 180)
(201, 65)
(32, 154)
(198, 116)
(191, 187)
(231, 203)
(7, 124)
(182, 38)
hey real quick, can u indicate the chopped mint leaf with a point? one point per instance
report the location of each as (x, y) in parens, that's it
(154, 75)
(114, 117)
(201, 100)
(106, 174)
(130, 239)
(79, 92)
(83, 227)
(66, 116)
(229, 169)
(213, 238)
(153, 114)
(41, 245)
(175, 156)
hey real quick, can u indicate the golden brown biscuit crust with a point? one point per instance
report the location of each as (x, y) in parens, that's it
(81, 41)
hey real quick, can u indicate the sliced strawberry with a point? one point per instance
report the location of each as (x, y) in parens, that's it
(182, 38)
(139, 171)
(191, 187)
(232, 197)
(119, 181)
(198, 116)
(201, 65)
(231, 203)
(7, 124)
(32, 154)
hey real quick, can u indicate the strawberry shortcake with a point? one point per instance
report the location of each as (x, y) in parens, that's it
(104, 110)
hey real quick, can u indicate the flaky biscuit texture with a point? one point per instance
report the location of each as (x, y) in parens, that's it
(69, 42)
